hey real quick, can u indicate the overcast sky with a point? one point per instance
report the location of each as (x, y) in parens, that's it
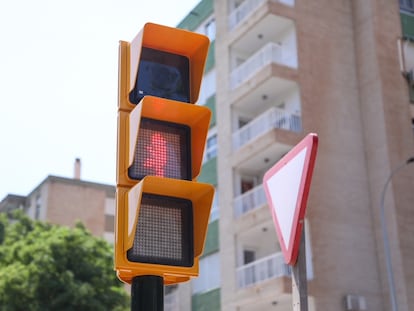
(58, 84)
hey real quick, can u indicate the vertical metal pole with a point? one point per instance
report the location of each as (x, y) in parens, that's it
(299, 280)
(387, 248)
(147, 293)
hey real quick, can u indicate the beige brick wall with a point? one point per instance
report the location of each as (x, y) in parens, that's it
(354, 97)
(69, 203)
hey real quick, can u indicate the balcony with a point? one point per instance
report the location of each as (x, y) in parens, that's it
(249, 7)
(249, 201)
(269, 54)
(267, 121)
(266, 268)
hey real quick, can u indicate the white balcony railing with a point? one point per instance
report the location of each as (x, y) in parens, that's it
(243, 11)
(270, 53)
(271, 119)
(248, 7)
(171, 302)
(249, 200)
(266, 268)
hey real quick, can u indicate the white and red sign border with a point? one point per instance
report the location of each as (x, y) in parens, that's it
(306, 148)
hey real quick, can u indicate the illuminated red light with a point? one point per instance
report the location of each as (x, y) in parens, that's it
(162, 149)
(157, 153)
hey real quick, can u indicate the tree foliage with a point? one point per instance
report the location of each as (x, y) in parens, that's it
(49, 267)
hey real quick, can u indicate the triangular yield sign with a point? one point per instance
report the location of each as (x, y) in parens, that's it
(287, 186)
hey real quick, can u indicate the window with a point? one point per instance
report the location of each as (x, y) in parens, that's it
(247, 185)
(243, 121)
(210, 151)
(407, 5)
(109, 223)
(214, 214)
(210, 29)
(208, 87)
(248, 256)
(211, 147)
(209, 277)
(250, 199)
(234, 4)
(38, 206)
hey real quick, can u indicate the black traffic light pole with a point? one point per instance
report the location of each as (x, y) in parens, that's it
(147, 293)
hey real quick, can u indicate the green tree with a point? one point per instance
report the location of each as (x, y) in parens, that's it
(49, 267)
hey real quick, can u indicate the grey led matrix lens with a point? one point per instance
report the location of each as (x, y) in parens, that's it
(164, 233)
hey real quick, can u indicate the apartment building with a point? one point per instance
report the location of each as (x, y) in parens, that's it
(277, 70)
(65, 201)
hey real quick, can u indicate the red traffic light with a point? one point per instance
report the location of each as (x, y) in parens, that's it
(161, 137)
(162, 149)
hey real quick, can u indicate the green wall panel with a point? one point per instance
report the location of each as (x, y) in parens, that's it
(197, 15)
(212, 239)
(209, 172)
(211, 103)
(211, 58)
(407, 23)
(209, 301)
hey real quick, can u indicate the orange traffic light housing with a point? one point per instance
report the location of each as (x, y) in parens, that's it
(162, 213)
(162, 228)
(132, 132)
(163, 62)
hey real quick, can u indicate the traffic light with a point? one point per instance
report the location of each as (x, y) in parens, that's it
(162, 211)
(161, 137)
(163, 62)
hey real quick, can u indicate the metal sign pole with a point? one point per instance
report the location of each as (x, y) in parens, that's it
(299, 280)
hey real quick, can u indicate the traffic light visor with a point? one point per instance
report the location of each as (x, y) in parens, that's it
(164, 62)
(161, 137)
(161, 228)
(170, 193)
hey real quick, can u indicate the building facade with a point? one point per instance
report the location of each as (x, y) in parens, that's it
(66, 201)
(277, 70)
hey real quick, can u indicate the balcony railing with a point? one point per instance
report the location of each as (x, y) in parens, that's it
(270, 53)
(243, 11)
(171, 302)
(271, 119)
(248, 7)
(261, 270)
(249, 200)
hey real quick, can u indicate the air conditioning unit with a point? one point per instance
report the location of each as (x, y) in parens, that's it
(355, 303)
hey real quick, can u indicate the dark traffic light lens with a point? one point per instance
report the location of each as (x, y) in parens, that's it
(161, 74)
(162, 149)
(164, 232)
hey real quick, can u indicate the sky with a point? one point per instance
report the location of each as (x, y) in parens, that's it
(58, 84)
